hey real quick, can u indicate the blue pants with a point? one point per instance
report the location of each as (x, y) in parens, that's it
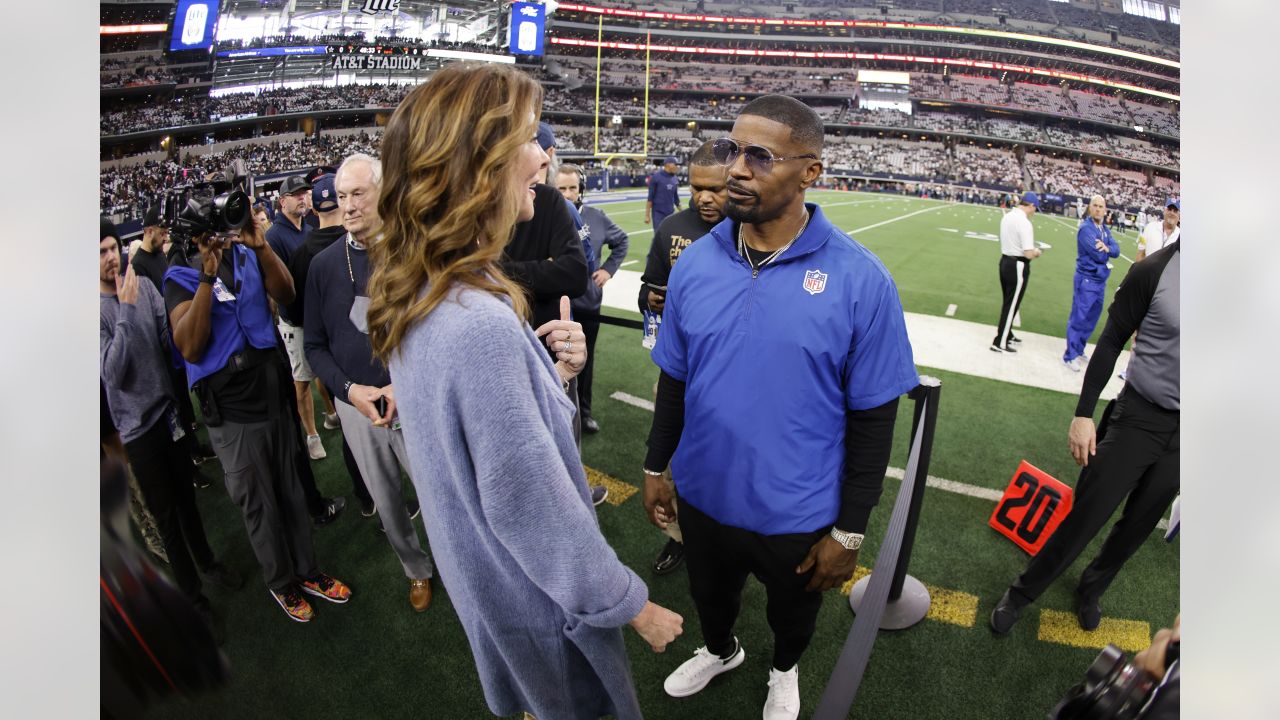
(1086, 308)
(658, 216)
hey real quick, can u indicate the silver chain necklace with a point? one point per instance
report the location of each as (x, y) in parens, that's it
(742, 246)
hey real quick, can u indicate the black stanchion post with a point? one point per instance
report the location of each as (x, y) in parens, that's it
(926, 397)
(908, 600)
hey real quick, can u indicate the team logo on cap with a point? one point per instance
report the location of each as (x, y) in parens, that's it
(815, 281)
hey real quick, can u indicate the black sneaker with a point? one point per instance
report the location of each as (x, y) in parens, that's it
(670, 558)
(414, 508)
(1005, 614)
(589, 425)
(220, 574)
(332, 509)
(199, 481)
(368, 509)
(1014, 340)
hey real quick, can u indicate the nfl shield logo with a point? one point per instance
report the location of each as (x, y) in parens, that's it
(815, 281)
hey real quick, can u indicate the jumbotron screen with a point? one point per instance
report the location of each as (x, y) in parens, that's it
(193, 24)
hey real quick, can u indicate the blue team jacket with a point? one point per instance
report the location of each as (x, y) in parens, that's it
(771, 365)
(1090, 261)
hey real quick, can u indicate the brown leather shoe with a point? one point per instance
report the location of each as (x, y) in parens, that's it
(420, 594)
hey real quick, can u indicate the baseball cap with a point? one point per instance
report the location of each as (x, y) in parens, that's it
(293, 184)
(324, 198)
(546, 136)
(670, 160)
(314, 173)
(1175, 203)
(151, 217)
(1031, 198)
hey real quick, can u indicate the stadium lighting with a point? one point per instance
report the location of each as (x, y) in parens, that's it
(913, 59)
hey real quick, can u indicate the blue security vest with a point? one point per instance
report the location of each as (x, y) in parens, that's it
(247, 318)
(771, 364)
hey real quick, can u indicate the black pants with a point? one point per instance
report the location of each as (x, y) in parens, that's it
(1014, 273)
(719, 558)
(590, 328)
(186, 411)
(163, 469)
(1137, 463)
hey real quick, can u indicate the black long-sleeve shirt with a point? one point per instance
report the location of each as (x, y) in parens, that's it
(546, 257)
(868, 442)
(676, 233)
(1147, 301)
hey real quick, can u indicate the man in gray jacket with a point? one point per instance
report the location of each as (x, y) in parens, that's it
(133, 351)
(571, 181)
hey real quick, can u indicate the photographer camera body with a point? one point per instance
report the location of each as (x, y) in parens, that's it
(1116, 688)
(216, 295)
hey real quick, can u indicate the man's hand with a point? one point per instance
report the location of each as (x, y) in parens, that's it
(1082, 439)
(659, 500)
(251, 236)
(565, 338)
(600, 277)
(362, 398)
(127, 286)
(657, 625)
(211, 247)
(832, 565)
(656, 301)
(1153, 659)
(647, 219)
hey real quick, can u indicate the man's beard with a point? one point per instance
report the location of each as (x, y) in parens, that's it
(748, 215)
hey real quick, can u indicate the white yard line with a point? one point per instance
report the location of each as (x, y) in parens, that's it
(951, 486)
(951, 310)
(896, 219)
(629, 262)
(640, 232)
(632, 400)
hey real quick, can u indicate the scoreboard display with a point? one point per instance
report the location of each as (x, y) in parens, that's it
(193, 25)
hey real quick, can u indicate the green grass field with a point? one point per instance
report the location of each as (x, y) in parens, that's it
(375, 658)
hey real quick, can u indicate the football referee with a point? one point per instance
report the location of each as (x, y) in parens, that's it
(1017, 250)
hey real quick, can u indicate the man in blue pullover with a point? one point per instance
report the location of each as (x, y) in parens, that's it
(1094, 249)
(664, 193)
(783, 353)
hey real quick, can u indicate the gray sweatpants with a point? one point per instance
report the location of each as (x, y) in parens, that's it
(380, 453)
(258, 459)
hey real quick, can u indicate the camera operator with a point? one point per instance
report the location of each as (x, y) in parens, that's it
(217, 303)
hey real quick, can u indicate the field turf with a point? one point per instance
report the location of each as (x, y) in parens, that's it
(375, 658)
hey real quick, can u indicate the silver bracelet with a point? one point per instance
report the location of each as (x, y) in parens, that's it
(647, 471)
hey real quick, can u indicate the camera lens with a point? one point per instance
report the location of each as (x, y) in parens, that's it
(231, 211)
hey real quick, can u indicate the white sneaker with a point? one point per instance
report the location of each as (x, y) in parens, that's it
(315, 448)
(697, 671)
(1073, 364)
(331, 421)
(783, 702)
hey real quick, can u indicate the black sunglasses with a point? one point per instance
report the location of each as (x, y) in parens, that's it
(726, 152)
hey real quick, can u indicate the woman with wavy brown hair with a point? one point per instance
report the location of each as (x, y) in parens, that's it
(486, 420)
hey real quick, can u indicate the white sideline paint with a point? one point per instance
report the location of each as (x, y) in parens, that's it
(640, 232)
(629, 262)
(951, 486)
(951, 310)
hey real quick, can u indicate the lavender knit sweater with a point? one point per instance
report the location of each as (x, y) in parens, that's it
(540, 593)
